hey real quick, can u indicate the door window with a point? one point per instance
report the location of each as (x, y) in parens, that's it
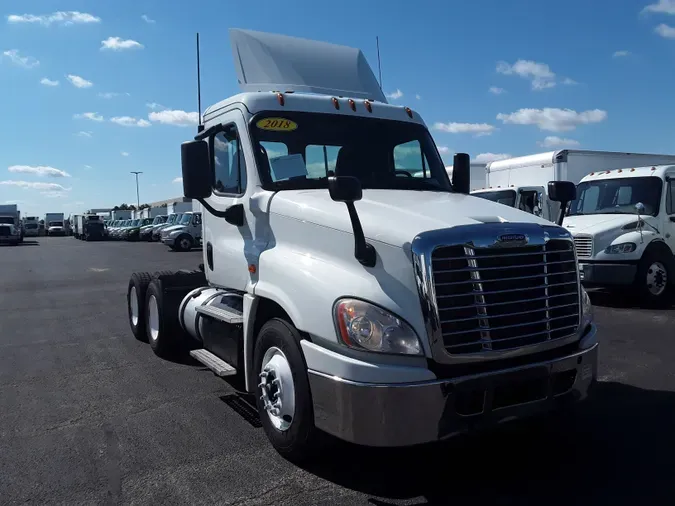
(670, 197)
(229, 165)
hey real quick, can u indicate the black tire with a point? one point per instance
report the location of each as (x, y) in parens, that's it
(183, 242)
(138, 285)
(162, 273)
(165, 338)
(299, 442)
(655, 272)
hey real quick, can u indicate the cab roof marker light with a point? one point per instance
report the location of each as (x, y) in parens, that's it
(336, 103)
(408, 110)
(620, 170)
(632, 170)
(281, 99)
(653, 168)
(352, 105)
(369, 106)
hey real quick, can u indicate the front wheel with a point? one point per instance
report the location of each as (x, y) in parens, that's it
(283, 396)
(183, 243)
(653, 278)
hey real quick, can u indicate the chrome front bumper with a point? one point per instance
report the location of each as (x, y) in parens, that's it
(390, 415)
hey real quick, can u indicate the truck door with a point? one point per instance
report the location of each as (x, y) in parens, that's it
(669, 222)
(227, 247)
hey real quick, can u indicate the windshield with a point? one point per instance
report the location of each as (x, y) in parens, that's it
(172, 219)
(7, 219)
(506, 197)
(382, 154)
(158, 220)
(617, 196)
(146, 221)
(185, 219)
(31, 225)
(135, 223)
(55, 223)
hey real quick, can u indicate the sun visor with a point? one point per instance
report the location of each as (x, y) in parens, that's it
(271, 62)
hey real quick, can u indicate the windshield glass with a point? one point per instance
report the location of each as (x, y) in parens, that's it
(7, 219)
(617, 196)
(55, 223)
(185, 219)
(31, 225)
(172, 219)
(135, 223)
(506, 197)
(158, 220)
(382, 154)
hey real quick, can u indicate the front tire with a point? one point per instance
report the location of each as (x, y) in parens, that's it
(183, 243)
(283, 396)
(654, 278)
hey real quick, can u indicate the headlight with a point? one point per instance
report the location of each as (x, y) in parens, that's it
(367, 327)
(586, 306)
(624, 247)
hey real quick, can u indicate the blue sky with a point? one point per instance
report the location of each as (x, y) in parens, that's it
(490, 77)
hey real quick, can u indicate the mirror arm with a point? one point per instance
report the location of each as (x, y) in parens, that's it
(561, 215)
(234, 214)
(205, 134)
(364, 252)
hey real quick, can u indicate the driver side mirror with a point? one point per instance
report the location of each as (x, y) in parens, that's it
(196, 169)
(562, 191)
(344, 189)
(640, 208)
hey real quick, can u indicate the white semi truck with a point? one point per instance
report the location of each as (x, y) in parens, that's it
(350, 298)
(11, 230)
(31, 226)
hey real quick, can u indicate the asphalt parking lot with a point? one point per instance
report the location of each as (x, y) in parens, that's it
(88, 415)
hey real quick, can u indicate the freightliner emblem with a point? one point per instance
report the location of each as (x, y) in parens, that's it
(512, 239)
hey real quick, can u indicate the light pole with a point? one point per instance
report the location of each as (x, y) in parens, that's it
(138, 199)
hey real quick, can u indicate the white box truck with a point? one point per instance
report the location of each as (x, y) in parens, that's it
(384, 309)
(54, 224)
(478, 175)
(31, 226)
(11, 231)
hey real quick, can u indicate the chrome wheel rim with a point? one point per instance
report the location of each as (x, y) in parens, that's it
(277, 389)
(657, 278)
(153, 318)
(133, 305)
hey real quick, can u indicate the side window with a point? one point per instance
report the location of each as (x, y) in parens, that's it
(408, 159)
(197, 220)
(670, 197)
(229, 164)
(321, 160)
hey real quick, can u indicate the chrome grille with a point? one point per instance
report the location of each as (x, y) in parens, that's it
(4, 231)
(584, 246)
(495, 299)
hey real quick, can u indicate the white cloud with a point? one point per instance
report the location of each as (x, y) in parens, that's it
(124, 153)
(145, 18)
(177, 180)
(48, 82)
(478, 129)
(553, 119)
(665, 31)
(93, 116)
(40, 170)
(177, 117)
(661, 7)
(119, 44)
(62, 18)
(84, 133)
(539, 74)
(34, 185)
(27, 62)
(496, 90)
(111, 94)
(619, 54)
(418, 97)
(79, 82)
(553, 141)
(395, 95)
(491, 157)
(154, 106)
(128, 121)
(87, 167)
(569, 82)
(54, 194)
(444, 150)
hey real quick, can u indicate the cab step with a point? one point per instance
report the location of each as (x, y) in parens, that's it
(222, 314)
(217, 365)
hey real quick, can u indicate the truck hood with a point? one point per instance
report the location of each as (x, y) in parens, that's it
(171, 228)
(395, 217)
(594, 224)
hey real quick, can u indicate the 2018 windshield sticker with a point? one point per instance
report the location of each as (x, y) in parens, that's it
(277, 124)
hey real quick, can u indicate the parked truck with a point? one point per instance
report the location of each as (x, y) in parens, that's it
(54, 224)
(185, 234)
(120, 214)
(31, 226)
(384, 309)
(89, 227)
(11, 229)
